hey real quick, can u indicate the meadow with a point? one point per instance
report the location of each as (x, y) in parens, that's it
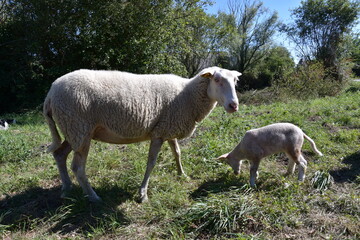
(211, 203)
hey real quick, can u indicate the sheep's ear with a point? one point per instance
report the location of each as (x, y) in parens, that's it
(223, 157)
(207, 73)
(236, 73)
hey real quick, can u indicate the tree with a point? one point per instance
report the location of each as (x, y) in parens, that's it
(354, 53)
(318, 30)
(199, 41)
(277, 63)
(251, 27)
(42, 40)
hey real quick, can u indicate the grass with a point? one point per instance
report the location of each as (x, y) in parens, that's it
(212, 203)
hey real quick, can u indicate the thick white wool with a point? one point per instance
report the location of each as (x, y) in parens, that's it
(120, 107)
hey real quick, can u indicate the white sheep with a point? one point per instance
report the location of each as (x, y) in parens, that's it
(121, 108)
(261, 142)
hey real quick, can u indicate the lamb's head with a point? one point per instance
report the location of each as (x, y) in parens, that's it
(232, 160)
(222, 87)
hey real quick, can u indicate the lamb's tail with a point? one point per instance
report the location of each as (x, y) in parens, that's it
(56, 139)
(313, 145)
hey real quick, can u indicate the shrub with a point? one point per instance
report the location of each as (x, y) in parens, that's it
(309, 80)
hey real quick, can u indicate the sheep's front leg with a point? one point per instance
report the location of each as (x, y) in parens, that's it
(177, 154)
(155, 146)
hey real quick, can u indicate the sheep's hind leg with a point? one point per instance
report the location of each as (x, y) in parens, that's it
(78, 167)
(177, 154)
(155, 146)
(60, 156)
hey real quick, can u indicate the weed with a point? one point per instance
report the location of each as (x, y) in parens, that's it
(322, 180)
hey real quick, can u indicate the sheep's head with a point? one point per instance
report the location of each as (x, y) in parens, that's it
(222, 87)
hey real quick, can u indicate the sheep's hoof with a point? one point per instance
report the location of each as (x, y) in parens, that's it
(183, 177)
(95, 199)
(65, 192)
(254, 186)
(143, 199)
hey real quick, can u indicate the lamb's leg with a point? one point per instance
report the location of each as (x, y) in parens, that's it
(302, 168)
(254, 165)
(177, 154)
(155, 146)
(78, 167)
(291, 165)
(60, 156)
(296, 156)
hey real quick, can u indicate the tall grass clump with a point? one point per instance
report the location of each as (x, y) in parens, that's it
(322, 180)
(226, 212)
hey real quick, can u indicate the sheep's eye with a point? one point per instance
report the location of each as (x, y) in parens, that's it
(217, 79)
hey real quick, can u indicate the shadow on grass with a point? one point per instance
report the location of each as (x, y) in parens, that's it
(224, 183)
(349, 173)
(43, 208)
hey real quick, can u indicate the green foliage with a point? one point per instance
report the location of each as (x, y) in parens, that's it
(308, 81)
(43, 40)
(274, 66)
(354, 53)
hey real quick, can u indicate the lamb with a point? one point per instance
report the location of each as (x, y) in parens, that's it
(122, 108)
(259, 143)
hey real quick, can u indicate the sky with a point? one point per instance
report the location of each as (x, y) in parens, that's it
(282, 7)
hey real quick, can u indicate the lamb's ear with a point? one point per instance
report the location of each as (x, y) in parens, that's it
(236, 73)
(223, 157)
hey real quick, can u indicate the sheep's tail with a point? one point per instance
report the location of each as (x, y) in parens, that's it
(56, 139)
(313, 145)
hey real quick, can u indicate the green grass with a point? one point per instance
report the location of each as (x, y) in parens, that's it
(212, 203)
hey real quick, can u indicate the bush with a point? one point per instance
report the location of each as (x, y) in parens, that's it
(309, 80)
